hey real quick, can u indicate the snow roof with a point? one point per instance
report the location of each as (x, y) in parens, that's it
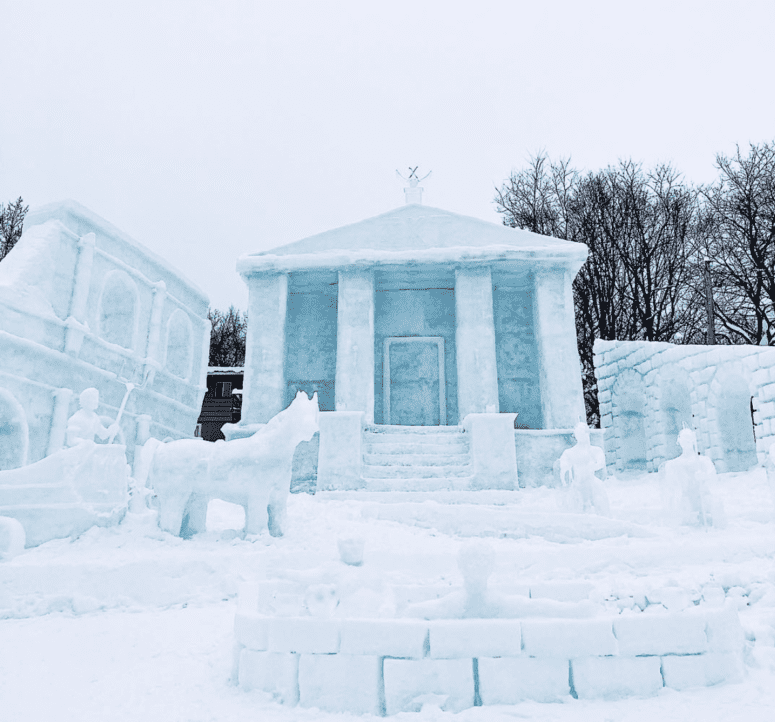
(414, 233)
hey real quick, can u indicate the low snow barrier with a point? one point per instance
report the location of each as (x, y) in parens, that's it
(386, 666)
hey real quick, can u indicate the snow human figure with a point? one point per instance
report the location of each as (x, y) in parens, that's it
(577, 471)
(84, 424)
(691, 472)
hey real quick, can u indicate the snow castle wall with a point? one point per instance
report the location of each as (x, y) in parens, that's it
(83, 305)
(387, 666)
(648, 390)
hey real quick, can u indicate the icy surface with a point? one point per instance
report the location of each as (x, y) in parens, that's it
(140, 623)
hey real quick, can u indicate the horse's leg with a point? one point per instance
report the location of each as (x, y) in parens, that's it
(171, 509)
(195, 516)
(277, 512)
(256, 514)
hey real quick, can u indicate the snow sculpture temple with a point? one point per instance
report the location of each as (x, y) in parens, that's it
(83, 305)
(417, 318)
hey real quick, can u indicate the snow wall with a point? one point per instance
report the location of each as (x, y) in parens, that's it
(649, 390)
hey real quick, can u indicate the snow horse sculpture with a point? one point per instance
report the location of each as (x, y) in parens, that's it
(254, 472)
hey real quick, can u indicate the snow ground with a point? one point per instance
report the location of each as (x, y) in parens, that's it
(133, 624)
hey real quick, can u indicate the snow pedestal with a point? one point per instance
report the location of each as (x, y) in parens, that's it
(387, 666)
(492, 450)
(340, 457)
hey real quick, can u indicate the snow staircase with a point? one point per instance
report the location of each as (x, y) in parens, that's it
(416, 458)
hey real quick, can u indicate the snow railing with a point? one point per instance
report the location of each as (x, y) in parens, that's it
(386, 666)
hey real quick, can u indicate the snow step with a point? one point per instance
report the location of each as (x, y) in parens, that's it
(456, 447)
(419, 459)
(415, 471)
(409, 484)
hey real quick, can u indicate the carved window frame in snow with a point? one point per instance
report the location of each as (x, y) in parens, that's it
(439, 341)
(179, 362)
(110, 325)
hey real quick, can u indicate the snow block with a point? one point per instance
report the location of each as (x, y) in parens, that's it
(409, 683)
(510, 680)
(252, 631)
(701, 670)
(616, 677)
(383, 637)
(568, 638)
(304, 635)
(652, 634)
(468, 638)
(275, 673)
(340, 683)
(723, 630)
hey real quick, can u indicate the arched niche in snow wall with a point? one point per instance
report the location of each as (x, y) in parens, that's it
(629, 403)
(675, 407)
(118, 309)
(14, 433)
(179, 353)
(732, 398)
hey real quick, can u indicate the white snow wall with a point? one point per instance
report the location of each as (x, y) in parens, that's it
(82, 304)
(648, 390)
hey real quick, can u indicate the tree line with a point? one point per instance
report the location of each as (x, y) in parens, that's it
(654, 242)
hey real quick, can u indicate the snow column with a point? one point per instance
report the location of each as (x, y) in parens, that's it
(264, 384)
(76, 321)
(562, 398)
(477, 373)
(59, 418)
(354, 386)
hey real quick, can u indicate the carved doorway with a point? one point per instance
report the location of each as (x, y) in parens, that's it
(413, 383)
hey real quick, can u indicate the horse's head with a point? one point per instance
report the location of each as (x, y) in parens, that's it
(303, 416)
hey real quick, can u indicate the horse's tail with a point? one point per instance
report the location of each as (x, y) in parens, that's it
(144, 461)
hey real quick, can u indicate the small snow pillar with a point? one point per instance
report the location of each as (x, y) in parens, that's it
(264, 384)
(154, 325)
(340, 456)
(82, 277)
(477, 373)
(76, 324)
(354, 386)
(56, 437)
(562, 397)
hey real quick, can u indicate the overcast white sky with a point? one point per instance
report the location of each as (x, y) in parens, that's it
(211, 129)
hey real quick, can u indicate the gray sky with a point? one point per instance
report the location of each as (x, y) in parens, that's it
(211, 129)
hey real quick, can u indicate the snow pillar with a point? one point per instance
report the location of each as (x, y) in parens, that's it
(354, 386)
(264, 384)
(75, 323)
(562, 397)
(154, 325)
(477, 372)
(56, 437)
(82, 277)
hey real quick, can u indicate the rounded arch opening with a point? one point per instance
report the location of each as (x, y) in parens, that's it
(629, 413)
(734, 423)
(14, 433)
(118, 310)
(675, 407)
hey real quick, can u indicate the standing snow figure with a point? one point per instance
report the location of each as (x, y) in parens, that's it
(691, 472)
(84, 424)
(577, 471)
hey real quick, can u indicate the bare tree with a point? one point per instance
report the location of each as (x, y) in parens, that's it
(227, 338)
(739, 225)
(11, 225)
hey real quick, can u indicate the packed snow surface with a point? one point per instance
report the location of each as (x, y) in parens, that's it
(131, 623)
